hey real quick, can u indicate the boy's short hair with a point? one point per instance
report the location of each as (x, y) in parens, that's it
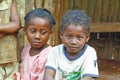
(77, 17)
(42, 13)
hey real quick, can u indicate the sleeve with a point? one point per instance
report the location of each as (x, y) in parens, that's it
(25, 51)
(91, 66)
(52, 60)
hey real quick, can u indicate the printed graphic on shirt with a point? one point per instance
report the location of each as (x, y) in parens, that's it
(95, 63)
(74, 75)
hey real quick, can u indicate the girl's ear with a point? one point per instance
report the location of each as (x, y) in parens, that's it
(51, 34)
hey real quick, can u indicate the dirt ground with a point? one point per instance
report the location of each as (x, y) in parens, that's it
(108, 69)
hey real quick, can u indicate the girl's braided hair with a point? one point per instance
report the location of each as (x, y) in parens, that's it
(42, 13)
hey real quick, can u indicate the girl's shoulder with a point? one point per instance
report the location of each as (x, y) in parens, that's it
(25, 51)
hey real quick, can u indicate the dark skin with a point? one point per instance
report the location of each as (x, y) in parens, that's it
(13, 25)
(38, 32)
(35, 51)
(0, 1)
(74, 38)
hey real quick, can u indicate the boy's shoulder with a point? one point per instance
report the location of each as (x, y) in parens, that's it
(57, 49)
(89, 47)
(58, 46)
(90, 50)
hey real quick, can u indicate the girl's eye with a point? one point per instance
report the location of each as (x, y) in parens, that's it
(43, 32)
(32, 30)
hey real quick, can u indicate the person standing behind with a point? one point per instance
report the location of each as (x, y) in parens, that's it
(9, 25)
(38, 28)
(74, 59)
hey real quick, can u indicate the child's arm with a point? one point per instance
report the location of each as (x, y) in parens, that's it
(49, 74)
(87, 78)
(14, 23)
(2, 34)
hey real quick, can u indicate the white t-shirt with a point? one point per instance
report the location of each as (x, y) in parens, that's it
(73, 69)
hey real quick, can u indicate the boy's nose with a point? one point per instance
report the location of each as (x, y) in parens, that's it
(73, 40)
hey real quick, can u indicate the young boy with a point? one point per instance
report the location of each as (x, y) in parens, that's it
(9, 25)
(38, 28)
(74, 59)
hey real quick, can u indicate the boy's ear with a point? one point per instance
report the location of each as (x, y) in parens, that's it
(24, 30)
(61, 34)
(88, 37)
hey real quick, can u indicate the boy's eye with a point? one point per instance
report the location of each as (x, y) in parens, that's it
(32, 30)
(79, 37)
(68, 36)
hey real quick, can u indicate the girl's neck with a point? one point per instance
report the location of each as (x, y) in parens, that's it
(36, 51)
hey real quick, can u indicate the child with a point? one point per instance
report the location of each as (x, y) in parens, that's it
(74, 59)
(38, 27)
(9, 25)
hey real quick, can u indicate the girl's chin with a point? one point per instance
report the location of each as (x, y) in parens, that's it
(36, 46)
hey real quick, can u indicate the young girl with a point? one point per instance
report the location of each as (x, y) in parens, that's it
(38, 27)
(74, 59)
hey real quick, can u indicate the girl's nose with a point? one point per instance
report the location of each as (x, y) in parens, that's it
(37, 35)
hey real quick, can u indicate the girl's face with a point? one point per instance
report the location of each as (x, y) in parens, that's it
(38, 31)
(74, 38)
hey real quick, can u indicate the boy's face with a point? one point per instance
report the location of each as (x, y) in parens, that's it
(74, 38)
(38, 31)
